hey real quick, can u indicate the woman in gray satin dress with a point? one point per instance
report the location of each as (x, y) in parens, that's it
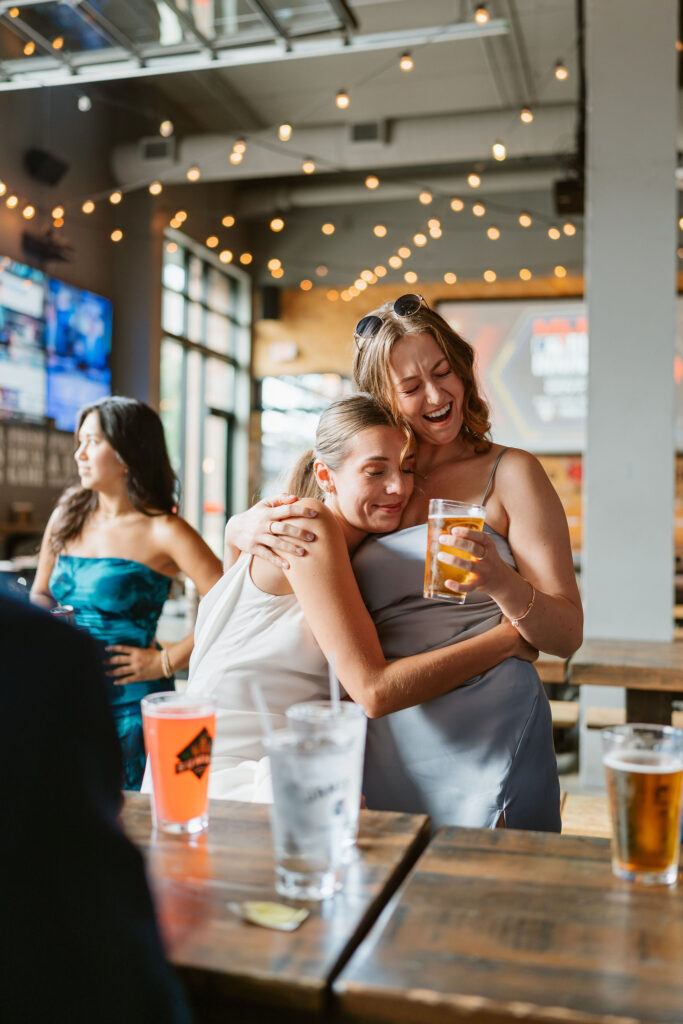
(483, 752)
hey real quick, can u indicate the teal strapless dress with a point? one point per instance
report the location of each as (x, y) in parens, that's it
(118, 601)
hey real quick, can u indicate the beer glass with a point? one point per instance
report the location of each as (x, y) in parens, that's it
(65, 613)
(341, 719)
(443, 516)
(310, 773)
(179, 734)
(644, 769)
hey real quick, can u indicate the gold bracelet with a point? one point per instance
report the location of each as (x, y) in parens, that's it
(518, 618)
(166, 664)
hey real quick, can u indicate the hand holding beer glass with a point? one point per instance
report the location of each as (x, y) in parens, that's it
(644, 769)
(444, 516)
(179, 734)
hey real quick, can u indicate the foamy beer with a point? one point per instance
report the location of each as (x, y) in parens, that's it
(443, 517)
(644, 769)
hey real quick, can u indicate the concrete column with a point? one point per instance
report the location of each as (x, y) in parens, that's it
(630, 289)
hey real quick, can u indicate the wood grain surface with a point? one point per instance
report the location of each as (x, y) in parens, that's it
(502, 926)
(221, 959)
(629, 663)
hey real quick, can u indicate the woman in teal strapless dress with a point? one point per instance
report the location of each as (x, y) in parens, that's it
(112, 548)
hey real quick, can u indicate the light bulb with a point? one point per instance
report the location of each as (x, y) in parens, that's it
(84, 103)
(561, 73)
(569, 228)
(246, 258)
(305, 285)
(473, 180)
(380, 270)
(525, 220)
(321, 271)
(525, 115)
(277, 273)
(58, 223)
(212, 241)
(554, 233)
(240, 146)
(88, 206)
(360, 284)
(342, 99)
(420, 239)
(379, 230)
(367, 275)
(406, 63)
(410, 277)
(236, 158)
(277, 224)
(372, 181)
(457, 204)
(274, 264)
(284, 132)
(225, 256)
(525, 274)
(499, 150)
(156, 188)
(489, 276)
(166, 129)
(228, 220)
(58, 43)
(57, 212)
(193, 174)
(478, 209)
(333, 295)
(327, 229)
(404, 252)
(395, 262)
(3, 188)
(450, 278)
(493, 233)
(29, 49)
(116, 235)
(28, 212)
(560, 271)
(115, 198)
(425, 197)
(172, 247)
(308, 166)
(11, 201)
(433, 223)
(481, 15)
(181, 216)
(13, 12)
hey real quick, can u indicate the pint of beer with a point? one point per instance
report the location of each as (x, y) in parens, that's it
(443, 517)
(644, 769)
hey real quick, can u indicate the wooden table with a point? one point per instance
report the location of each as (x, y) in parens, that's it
(226, 963)
(652, 674)
(509, 926)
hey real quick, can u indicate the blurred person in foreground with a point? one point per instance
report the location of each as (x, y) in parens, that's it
(79, 938)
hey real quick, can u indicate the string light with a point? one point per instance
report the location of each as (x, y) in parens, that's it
(561, 72)
(346, 296)
(327, 228)
(425, 197)
(489, 276)
(171, 247)
(372, 181)
(11, 201)
(236, 158)
(353, 292)
(174, 222)
(406, 63)
(526, 116)
(277, 224)
(435, 232)
(433, 222)
(457, 204)
(493, 233)
(420, 239)
(560, 271)
(525, 220)
(228, 220)
(88, 206)
(240, 146)
(360, 284)
(28, 212)
(274, 264)
(554, 233)
(246, 258)
(277, 273)
(59, 223)
(380, 270)
(367, 275)
(305, 285)
(333, 295)
(308, 166)
(156, 188)
(379, 230)
(410, 277)
(58, 43)
(115, 198)
(13, 12)
(212, 241)
(57, 212)
(569, 228)
(166, 129)
(29, 49)
(481, 15)
(395, 262)
(3, 188)
(284, 132)
(321, 271)
(225, 256)
(404, 252)
(84, 103)
(478, 209)
(449, 277)
(499, 150)
(181, 215)
(525, 274)
(193, 174)
(342, 99)
(116, 235)
(473, 180)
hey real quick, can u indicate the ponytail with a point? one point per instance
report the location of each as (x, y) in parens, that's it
(302, 482)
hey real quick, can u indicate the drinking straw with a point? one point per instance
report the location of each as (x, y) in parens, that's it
(262, 707)
(334, 683)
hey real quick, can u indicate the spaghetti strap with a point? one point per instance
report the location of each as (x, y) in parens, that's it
(493, 473)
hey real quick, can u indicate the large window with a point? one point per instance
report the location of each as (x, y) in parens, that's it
(290, 408)
(205, 349)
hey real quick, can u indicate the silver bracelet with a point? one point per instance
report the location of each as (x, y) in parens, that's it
(166, 664)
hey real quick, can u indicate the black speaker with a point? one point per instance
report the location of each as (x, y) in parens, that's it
(44, 166)
(270, 302)
(569, 197)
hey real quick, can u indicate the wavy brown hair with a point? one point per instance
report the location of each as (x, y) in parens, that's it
(371, 367)
(136, 434)
(338, 425)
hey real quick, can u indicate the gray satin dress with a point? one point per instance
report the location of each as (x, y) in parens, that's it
(483, 749)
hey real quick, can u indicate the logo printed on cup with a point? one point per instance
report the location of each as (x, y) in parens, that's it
(196, 756)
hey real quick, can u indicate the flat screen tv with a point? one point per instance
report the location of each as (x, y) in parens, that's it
(78, 343)
(22, 340)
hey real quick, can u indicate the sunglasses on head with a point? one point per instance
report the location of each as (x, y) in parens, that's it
(369, 326)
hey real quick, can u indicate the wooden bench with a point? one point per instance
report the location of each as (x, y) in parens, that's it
(604, 718)
(585, 816)
(565, 713)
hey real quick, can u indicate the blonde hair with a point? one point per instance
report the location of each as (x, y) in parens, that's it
(337, 427)
(371, 367)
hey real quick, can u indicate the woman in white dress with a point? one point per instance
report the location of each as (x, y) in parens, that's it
(278, 626)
